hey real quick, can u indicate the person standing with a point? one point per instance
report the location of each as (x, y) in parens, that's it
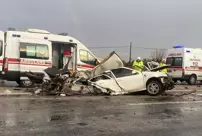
(138, 64)
(163, 63)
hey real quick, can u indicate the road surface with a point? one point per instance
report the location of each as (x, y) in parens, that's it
(138, 115)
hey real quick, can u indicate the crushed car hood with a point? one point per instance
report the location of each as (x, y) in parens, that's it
(159, 68)
(113, 61)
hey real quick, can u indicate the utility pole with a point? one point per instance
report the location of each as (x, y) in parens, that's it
(130, 52)
(156, 54)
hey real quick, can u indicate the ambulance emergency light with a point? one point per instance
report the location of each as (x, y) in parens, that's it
(178, 46)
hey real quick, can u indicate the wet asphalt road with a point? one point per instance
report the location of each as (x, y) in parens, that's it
(88, 116)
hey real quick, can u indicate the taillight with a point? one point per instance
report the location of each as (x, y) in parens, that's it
(5, 64)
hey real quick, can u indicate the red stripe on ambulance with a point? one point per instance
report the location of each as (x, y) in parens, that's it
(27, 62)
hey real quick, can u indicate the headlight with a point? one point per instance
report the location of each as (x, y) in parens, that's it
(164, 79)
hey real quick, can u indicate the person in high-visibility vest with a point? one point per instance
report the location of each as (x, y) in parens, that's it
(163, 63)
(138, 64)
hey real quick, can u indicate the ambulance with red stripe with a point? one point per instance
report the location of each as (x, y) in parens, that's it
(35, 50)
(185, 64)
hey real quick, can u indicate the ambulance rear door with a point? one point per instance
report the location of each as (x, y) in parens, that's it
(175, 60)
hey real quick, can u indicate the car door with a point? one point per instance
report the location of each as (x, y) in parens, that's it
(128, 79)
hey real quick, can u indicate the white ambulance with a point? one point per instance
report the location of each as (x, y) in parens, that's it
(35, 50)
(185, 64)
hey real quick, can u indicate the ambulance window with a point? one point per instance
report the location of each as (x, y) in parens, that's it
(30, 51)
(83, 55)
(177, 61)
(42, 51)
(33, 51)
(1, 48)
(169, 61)
(87, 58)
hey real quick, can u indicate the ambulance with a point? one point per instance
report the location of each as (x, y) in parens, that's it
(35, 50)
(185, 64)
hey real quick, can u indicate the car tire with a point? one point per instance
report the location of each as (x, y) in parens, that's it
(154, 88)
(175, 80)
(192, 80)
(25, 83)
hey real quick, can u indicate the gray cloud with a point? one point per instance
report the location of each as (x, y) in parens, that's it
(148, 23)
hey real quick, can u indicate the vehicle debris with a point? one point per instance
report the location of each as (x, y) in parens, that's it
(63, 95)
(38, 91)
(110, 77)
(182, 93)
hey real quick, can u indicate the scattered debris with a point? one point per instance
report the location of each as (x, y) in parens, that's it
(82, 124)
(8, 92)
(38, 91)
(63, 95)
(17, 89)
(182, 93)
(55, 118)
(187, 93)
(186, 87)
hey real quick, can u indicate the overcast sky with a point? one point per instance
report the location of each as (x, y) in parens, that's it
(147, 23)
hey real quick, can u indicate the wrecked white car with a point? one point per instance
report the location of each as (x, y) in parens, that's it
(113, 78)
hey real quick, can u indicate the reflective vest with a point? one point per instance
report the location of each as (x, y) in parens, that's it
(163, 70)
(137, 65)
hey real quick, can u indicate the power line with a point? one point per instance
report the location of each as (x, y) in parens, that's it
(107, 47)
(99, 47)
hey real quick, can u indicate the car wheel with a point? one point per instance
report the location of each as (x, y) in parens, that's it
(26, 83)
(192, 80)
(154, 88)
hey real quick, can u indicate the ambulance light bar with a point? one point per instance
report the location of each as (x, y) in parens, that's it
(178, 46)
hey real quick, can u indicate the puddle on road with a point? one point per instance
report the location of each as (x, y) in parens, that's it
(189, 109)
(58, 118)
(55, 117)
(82, 124)
(159, 99)
(165, 113)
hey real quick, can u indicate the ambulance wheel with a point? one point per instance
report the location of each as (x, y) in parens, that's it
(18, 82)
(175, 81)
(192, 80)
(26, 83)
